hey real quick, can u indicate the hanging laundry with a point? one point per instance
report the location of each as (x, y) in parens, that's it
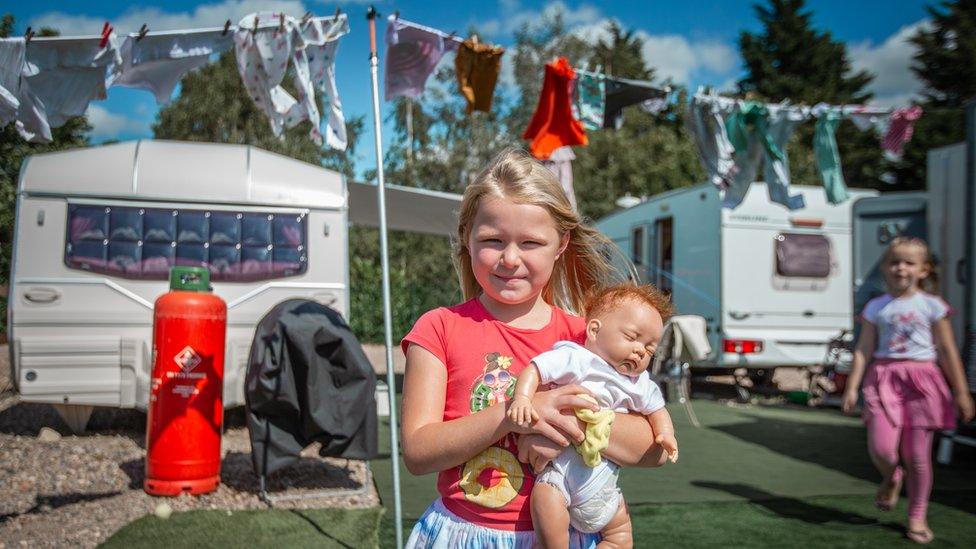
(553, 126)
(622, 93)
(263, 56)
(61, 77)
(158, 61)
(706, 121)
(760, 133)
(560, 163)
(412, 53)
(589, 99)
(900, 130)
(826, 153)
(322, 42)
(11, 68)
(868, 118)
(477, 67)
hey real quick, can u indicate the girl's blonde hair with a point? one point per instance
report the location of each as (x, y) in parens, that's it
(931, 282)
(586, 264)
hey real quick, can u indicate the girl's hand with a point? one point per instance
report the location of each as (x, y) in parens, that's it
(537, 451)
(553, 423)
(849, 402)
(964, 403)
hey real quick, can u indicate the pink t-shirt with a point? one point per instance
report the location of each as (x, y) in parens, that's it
(905, 325)
(483, 357)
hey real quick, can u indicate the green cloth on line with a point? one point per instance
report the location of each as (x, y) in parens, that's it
(828, 158)
(751, 120)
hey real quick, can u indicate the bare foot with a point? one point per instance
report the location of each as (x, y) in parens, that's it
(922, 535)
(887, 495)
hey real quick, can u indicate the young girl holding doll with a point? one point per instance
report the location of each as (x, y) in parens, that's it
(525, 262)
(904, 334)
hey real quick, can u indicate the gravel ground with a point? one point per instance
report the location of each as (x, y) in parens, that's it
(78, 490)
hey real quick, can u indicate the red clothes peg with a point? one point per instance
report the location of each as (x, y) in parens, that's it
(106, 32)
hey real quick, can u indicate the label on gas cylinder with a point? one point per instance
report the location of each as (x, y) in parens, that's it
(187, 360)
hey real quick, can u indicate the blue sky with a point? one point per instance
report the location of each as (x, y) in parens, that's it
(691, 41)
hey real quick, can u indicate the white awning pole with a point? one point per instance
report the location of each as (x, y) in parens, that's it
(385, 263)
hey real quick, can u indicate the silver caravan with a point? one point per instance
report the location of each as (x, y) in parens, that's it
(97, 230)
(774, 285)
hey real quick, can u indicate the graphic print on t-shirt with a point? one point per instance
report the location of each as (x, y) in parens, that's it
(494, 477)
(905, 325)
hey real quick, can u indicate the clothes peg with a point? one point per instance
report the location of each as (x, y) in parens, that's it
(256, 20)
(142, 32)
(338, 12)
(281, 22)
(306, 18)
(28, 35)
(396, 15)
(226, 28)
(106, 32)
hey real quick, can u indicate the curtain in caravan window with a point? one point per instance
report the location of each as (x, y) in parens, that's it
(144, 243)
(802, 255)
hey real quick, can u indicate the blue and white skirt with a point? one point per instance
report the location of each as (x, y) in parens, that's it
(439, 528)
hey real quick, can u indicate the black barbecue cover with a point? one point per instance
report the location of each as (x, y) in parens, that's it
(308, 381)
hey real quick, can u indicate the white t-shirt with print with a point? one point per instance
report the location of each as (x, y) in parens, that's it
(568, 363)
(905, 325)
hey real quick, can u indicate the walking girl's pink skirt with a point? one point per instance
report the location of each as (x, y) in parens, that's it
(909, 394)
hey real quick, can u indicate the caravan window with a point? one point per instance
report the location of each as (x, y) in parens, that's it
(637, 245)
(144, 243)
(803, 255)
(664, 254)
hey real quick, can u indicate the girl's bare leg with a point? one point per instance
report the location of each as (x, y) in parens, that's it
(550, 516)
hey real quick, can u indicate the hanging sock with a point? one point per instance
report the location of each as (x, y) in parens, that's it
(477, 67)
(412, 53)
(705, 119)
(553, 126)
(157, 62)
(322, 42)
(61, 77)
(622, 93)
(589, 99)
(263, 56)
(560, 163)
(827, 155)
(11, 68)
(900, 130)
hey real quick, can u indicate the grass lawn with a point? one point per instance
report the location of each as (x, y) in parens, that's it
(755, 476)
(275, 528)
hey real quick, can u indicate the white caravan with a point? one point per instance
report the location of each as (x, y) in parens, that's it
(774, 285)
(98, 228)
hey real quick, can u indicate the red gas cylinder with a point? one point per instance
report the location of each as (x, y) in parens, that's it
(185, 406)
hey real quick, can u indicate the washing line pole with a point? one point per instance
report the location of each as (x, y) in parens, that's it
(385, 263)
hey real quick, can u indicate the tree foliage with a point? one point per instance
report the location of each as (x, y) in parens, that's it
(944, 61)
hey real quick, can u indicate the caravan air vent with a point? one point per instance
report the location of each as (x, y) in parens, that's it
(812, 223)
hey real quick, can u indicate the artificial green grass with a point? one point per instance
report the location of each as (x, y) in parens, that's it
(272, 528)
(742, 457)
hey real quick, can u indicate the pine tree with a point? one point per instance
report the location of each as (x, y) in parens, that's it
(946, 62)
(791, 60)
(13, 151)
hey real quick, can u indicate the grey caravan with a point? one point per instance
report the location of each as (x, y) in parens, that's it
(97, 230)
(773, 285)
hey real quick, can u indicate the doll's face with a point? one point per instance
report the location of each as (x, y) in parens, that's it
(626, 336)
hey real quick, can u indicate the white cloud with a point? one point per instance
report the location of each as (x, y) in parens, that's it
(109, 125)
(890, 61)
(513, 16)
(206, 15)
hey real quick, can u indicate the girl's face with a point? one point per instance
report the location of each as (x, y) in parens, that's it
(905, 268)
(513, 249)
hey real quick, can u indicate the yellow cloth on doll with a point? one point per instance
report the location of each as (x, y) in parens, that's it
(597, 435)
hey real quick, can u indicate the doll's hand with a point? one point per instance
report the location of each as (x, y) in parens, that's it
(670, 445)
(556, 419)
(521, 413)
(537, 451)
(964, 403)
